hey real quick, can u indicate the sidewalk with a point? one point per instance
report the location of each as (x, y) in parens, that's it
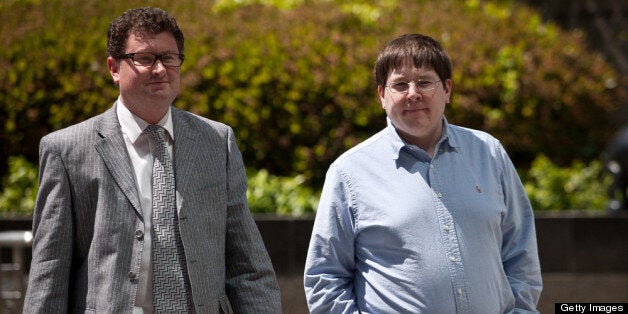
(584, 288)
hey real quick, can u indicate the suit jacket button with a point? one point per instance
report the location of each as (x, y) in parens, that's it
(139, 234)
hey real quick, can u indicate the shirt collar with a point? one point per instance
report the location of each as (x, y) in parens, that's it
(395, 140)
(133, 126)
(398, 143)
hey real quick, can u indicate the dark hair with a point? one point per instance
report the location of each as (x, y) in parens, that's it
(140, 20)
(423, 50)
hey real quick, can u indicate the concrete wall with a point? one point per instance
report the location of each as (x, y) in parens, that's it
(579, 243)
(584, 256)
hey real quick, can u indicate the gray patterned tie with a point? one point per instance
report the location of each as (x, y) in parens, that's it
(169, 284)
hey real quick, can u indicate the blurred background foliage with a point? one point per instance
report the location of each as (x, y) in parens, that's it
(579, 186)
(294, 79)
(271, 194)
(17, 197)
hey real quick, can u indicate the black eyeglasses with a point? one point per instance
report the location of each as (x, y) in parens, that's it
(421, 86)
(147, 59)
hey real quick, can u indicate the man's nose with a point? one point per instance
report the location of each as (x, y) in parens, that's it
(158, 66)
(413, 92)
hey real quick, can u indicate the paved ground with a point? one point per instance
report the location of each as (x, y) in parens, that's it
(589, 288)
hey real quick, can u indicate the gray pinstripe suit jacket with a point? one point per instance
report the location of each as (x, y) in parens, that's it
(85, 247)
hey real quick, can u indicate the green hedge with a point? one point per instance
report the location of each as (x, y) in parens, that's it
(266, 193)
(17, 198)
(280, 195)
(295, 81)
(549, 187)
(580, 186)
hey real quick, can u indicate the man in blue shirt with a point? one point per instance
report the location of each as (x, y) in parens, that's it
(424, 216)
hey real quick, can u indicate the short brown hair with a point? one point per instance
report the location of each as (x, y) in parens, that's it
(423, 50)
(140, 20)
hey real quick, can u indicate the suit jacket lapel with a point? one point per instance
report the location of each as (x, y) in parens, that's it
(185, 149)
(112, 150)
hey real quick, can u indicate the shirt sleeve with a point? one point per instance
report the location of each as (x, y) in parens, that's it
(519, 249)
(330, 266)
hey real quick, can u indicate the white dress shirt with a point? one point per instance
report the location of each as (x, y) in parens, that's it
(139, 146)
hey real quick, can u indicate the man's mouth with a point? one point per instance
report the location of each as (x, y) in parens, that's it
(157, 82)
(415, 109)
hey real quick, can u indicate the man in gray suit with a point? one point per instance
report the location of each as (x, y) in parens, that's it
(93, 233)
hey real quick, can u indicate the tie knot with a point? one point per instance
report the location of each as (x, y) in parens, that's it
(156, 132)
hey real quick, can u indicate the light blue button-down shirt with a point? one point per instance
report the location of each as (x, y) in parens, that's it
(399, 232)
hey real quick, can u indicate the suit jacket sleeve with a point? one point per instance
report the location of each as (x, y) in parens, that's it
(250, 278)
(53, 236)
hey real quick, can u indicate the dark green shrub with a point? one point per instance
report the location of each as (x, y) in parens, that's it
(17, 197)
(280, 195)
(266, 193)
(549, 187)
(296, 83)
(581, 186)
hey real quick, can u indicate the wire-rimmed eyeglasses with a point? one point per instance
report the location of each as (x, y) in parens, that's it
(420, 85)
(148, 59)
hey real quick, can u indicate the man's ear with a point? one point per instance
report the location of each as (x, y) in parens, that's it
(114, 69)
(448, 86)
(381, 90)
